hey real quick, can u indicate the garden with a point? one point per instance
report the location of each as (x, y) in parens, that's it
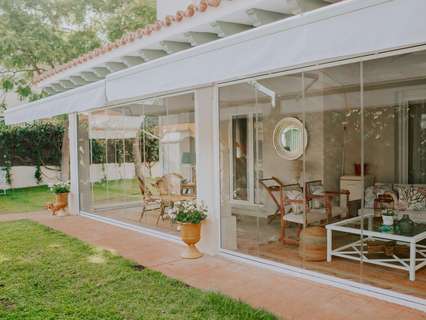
(45, 274)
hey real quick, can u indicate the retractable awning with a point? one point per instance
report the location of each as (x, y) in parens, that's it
(83, 98)
(349, 29)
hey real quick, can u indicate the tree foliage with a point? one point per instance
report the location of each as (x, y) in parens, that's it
(37, 35)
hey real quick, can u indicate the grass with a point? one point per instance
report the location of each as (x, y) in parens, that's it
(35, 198)
(45, 274)
(25, 200)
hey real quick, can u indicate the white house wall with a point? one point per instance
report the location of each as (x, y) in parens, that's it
(24, 177)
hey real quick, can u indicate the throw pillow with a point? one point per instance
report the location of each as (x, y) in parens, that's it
(411, 197)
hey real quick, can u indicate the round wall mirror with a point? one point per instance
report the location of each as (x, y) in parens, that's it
(290, 138)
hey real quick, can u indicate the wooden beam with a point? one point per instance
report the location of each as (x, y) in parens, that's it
(67, 84)
(224, 29)
(149, 54)
(57, 87)
(90, 76)
(174, 46)
(102, 71)
(309, 5)
(49, 90)
(78, 80)
(261, 17)
(116, 66)
(133, 60)
(198, 38)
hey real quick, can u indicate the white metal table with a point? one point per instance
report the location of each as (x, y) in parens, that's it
(363, 226)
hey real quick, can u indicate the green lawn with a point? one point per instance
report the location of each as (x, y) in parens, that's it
(25, 200)
(35, 198)
(45, 274)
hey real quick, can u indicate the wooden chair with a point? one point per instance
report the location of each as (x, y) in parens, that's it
(274, 187)
(328, 211)
(279, 194)
(150, 202)
(311, 215)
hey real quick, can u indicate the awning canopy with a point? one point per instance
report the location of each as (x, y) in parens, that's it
(350, 29)
(354, 28)
(76, 100)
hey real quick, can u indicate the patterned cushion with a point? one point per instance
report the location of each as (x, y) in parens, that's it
(294, 208)
(317, 190)
(373, 192)
(151, 186)
(411, 197)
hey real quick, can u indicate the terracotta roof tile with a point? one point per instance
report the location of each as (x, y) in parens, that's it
(190, 11)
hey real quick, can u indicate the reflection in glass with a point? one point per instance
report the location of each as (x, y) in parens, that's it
(366, 153)
(139, 160)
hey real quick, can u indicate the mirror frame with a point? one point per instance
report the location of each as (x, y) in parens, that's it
(280, 126)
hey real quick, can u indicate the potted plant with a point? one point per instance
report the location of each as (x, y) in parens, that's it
(189, 214)
(61, 191)
(387, 216)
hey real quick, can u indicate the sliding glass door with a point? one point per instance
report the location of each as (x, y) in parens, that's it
(326, 170)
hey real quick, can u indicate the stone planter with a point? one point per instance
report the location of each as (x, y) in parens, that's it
(190, 234)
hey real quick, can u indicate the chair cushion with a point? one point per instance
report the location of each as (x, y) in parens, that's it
(317, 190)
(294, 208)
(315, 215)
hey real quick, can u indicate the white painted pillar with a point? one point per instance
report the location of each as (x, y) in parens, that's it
(74, 206)
(207, 177)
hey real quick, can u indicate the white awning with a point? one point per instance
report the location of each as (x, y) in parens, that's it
(79, 99)
(350, 29)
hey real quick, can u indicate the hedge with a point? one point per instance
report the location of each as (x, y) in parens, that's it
(33, 144)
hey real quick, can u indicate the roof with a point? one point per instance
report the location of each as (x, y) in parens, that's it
(207, 21)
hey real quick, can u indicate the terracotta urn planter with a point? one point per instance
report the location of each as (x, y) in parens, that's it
(61, 199)
(190, 234)
(61, 203)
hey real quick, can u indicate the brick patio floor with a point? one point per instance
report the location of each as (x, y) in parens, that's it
(285, 296)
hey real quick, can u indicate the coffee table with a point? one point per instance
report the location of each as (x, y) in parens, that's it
(357, 250)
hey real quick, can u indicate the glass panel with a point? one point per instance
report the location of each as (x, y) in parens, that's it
(343, 144)
(254, 168)
(140, 158)
(333, 184)
(395, 159)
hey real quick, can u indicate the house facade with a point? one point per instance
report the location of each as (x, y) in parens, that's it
(300, 124)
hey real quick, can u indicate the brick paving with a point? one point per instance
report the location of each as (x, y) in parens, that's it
(285, 296)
